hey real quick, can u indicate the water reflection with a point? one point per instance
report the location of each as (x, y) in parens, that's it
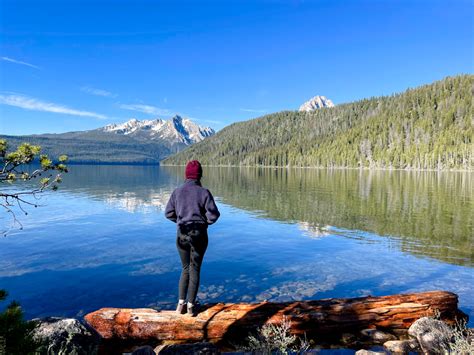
(102, 239)
(431, 213)
(131, 188)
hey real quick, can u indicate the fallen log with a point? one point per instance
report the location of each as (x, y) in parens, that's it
(231, 322)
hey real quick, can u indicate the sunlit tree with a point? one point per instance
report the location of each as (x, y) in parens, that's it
(16, 169)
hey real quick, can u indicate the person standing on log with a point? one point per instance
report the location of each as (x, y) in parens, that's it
(193, 209)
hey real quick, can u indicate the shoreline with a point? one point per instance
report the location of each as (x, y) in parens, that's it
(329, 168)
(272, 167)
(394, 323)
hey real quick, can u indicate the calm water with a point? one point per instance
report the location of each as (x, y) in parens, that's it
(102, 239)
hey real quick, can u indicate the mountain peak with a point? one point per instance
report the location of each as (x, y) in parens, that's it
(315, 103)
(175, 130)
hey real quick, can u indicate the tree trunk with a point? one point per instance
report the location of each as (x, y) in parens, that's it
(229, 322)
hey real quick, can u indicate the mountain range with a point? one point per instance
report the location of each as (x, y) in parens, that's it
(429, 127)
(177, 130)
(132, 142)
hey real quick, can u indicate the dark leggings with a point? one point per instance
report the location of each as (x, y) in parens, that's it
(192, 244)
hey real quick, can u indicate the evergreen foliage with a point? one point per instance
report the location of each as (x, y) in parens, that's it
(15, 168)
(15, 332)
(430, 127)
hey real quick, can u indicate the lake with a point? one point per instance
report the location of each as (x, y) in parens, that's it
(102, 239)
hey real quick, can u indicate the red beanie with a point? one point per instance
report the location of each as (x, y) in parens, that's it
(193, 170)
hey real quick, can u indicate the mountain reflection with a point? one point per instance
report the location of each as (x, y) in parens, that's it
(130, 188)
(430, 213)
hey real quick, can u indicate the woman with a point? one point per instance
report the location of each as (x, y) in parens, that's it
(192, 208)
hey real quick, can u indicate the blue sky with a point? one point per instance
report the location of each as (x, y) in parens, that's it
(76, 65)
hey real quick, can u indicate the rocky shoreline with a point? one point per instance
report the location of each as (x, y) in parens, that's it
(427, 335)
(426, 323)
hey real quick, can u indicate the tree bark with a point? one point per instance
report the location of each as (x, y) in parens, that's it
(230, 322)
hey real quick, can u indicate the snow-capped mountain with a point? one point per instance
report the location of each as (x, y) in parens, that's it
(315, 103)
(174, 130)
(132, 142)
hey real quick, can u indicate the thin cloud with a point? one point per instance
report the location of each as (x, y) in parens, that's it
(97, 92)
(253, 110)
(11, 60)
(30, 103)
(151, 110)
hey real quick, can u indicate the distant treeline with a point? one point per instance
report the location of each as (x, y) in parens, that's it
(430, 127)
(97, 151)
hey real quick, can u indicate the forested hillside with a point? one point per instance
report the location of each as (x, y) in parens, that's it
(96, 150)
(430, 127)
